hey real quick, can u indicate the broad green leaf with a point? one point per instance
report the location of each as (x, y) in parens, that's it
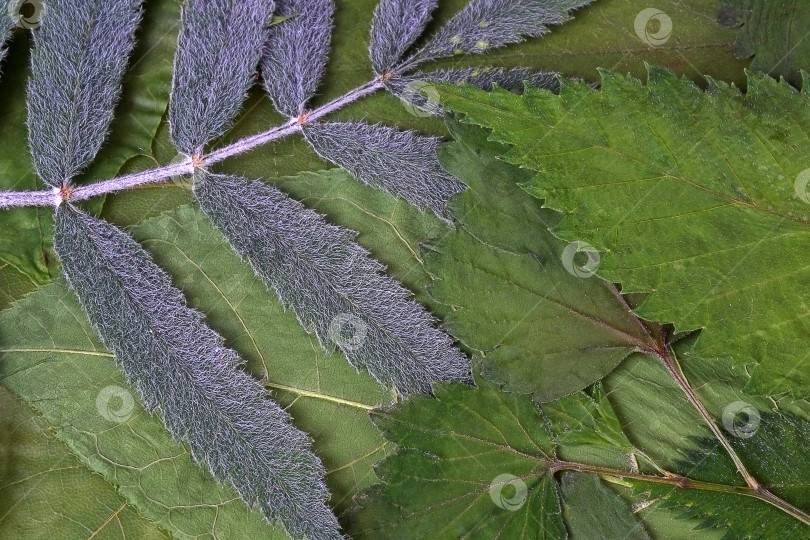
(452, 451)
(542, 327)
(38, 474)
(594, 512)
(471, 463)
(47, 346)
(775, 33)
(697, 197)
(27, 246)
(49, 356)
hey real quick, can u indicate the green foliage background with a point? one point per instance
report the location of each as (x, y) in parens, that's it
(143, 484)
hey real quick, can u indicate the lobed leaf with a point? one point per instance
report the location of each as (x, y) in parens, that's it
(483, 25)
(79, 56)
(181, 370)
(218, 50)
(400, 162)
(296, 53)
(336, 290)
(394, 28)
(697, 197)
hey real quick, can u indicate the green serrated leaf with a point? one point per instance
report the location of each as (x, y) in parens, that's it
(775, 33)
(38, 474)
(542, 327)
(594, 512)
(471, 463)
(696, 196)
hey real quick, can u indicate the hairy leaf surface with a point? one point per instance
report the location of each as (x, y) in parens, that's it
(336, 290)
(394, 28)
(698, 197)
(296, 53)
(402, 163)
(219, 48)
(79, 56)
(182, 371)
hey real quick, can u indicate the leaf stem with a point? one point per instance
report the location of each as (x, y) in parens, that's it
(9, 199)
(757, 489)
(685, 483)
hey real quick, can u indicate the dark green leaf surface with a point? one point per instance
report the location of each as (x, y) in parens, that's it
(509, 296)
(38, 474)
(696, 197)
(776, 33)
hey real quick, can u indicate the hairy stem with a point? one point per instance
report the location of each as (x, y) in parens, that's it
(9, 199)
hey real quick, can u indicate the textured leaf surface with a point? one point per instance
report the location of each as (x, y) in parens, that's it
(445, 481)
(220, 46)
(296, 53)
(79, 56)
(483, 25)
(336, 290)
(696, 196)
(402, 163)
(27, 246)
(51, 358)
(776, 34)
(593, 511)
(38, 473)
(182, 371)
(395, 27)
(6, 25)
(322, 392)
(540, 328)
